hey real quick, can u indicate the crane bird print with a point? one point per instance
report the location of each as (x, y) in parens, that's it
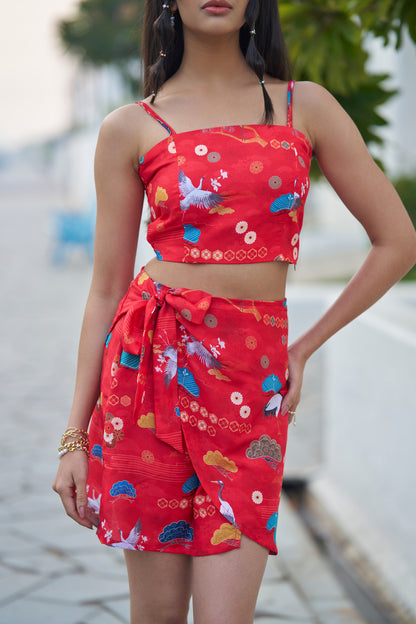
(225, 509)
(195, 195)
(130, 542)
(193, 347)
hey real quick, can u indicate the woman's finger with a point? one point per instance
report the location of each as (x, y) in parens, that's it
(71, 488)
(69, 500)
(292, 397)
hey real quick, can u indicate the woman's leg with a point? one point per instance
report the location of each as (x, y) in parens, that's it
(160, 587)
(225, 586)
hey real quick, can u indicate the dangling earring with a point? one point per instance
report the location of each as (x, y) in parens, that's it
(166, 7)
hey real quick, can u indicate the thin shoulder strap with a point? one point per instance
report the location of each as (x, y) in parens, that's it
(151, 112)
(290, 87)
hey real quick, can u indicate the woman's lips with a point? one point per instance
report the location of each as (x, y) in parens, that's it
(217, 8)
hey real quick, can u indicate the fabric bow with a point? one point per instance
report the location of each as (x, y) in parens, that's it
(152, 320)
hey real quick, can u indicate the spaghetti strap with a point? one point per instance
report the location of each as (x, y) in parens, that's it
(151, 112)
(290, 103)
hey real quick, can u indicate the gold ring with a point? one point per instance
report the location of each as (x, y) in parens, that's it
(293, 415)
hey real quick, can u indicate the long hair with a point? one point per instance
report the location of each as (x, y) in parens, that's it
(261, 42)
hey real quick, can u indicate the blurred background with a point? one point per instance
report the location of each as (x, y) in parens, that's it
(351, 461)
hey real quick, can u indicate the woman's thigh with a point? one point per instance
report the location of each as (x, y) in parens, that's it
(160, 587)
(225, 586)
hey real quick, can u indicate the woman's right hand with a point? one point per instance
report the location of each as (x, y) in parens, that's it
(70, 483)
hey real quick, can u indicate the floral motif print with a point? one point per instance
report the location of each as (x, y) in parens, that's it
(113, 430)
(187, 452)
(235, 217)
(256, 167)
(201, 150)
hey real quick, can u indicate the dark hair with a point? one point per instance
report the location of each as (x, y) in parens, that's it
(265, 51)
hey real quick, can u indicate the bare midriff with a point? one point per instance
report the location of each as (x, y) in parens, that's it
(264, 281)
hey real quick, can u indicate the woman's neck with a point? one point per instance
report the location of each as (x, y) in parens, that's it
(211, 63)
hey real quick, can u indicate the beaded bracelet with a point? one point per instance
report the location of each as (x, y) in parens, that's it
(73, 446)
(81, 442)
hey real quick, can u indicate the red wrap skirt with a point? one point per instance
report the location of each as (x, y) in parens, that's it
(187, 439)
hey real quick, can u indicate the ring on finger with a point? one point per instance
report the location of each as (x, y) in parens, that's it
(293, 415)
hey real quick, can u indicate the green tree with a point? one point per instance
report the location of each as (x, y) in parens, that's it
(107, 32)
(326, 39)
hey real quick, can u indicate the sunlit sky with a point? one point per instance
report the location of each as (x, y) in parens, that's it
(35, 72)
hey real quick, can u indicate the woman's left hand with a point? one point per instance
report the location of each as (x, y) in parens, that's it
(296, 367)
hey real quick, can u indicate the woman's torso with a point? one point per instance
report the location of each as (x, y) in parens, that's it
(254, 280)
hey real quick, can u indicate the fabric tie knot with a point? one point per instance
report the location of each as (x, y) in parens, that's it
(153, 352)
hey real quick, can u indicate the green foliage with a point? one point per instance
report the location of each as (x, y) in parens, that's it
(388, 17)
(106, 32)
(325, 43)
(325, 39)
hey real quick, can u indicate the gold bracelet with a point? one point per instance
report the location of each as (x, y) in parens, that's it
(77, 445)
(72, 431)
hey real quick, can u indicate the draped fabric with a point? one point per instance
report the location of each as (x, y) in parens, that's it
(187, 438)
(232, 194)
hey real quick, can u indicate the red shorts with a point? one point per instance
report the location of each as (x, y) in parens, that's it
(187, 439)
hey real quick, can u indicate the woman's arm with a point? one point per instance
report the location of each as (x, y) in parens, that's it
(119, 205)
(372, 199)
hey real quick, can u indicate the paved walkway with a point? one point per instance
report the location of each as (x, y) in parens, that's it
(52, 570)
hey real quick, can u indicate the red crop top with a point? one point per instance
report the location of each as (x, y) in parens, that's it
(230, 194)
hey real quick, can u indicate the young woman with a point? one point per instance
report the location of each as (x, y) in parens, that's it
(197, 384)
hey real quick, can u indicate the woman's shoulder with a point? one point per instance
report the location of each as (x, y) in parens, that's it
(311, 95)
(124, 131)
(316, 110)
(123, 120)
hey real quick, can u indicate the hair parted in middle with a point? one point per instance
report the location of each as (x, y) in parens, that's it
(261, 41)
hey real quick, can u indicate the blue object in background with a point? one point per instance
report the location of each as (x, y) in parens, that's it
(73, 229)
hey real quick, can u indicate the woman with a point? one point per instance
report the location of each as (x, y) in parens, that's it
(198, 386)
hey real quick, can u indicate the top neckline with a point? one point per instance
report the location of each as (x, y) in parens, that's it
(171, 136)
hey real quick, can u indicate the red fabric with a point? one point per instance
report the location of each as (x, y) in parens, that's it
(187, 439)
(232, 194)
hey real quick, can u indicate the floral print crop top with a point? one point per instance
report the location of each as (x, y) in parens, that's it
(231, 194)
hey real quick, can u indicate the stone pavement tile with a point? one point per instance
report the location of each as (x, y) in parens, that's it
(281, 601)
(120, 608)
(59, 532)
(12, 544)
(102, 615)
(309, 572)
(336, 612)
(274, 570)
(38, 562)
(14, 584)
(105, 561)
(81, 588)
(27, 611)
(270, 619)
(18, 506)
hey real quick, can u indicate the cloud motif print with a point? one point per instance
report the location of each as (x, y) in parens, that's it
(123, 489)
(265, 448)
(177, 533)
(191, 484)
(290, 201)
(226, 533)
